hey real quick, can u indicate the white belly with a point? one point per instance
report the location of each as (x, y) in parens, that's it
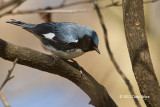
(69, 54)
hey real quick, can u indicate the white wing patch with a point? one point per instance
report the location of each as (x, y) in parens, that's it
(49, 35)
(75, 41)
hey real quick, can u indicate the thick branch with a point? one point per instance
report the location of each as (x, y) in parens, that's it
(139, 52)
(124, 77)
(52, 64)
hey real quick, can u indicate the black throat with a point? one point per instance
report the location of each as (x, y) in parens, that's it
(84, 43)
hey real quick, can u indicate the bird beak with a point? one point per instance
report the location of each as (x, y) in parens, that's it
(97, 49)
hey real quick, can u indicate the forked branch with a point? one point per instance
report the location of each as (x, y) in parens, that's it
(51, 64)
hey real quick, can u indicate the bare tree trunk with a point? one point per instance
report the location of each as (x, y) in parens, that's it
(134, 25)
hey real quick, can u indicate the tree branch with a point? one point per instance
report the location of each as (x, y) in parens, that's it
(134, 24)
(45, 10)
(4, 100)
(12, 2)
(57, 9)
(119, 4)
(51, 64)
(124, 77)
(9, 3)
(8, 77)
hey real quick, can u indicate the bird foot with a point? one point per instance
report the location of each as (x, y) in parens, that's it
(77, 66)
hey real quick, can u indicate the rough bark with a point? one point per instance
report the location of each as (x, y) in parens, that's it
(139, 52)
(51, 64)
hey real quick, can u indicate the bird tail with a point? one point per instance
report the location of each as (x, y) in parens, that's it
(22, 24)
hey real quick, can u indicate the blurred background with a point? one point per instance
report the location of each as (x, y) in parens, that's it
(33, 88)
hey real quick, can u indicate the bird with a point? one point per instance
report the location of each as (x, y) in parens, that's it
(67, 40)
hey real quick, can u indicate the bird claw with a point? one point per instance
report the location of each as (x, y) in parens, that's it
(55, 58)
(77, 66)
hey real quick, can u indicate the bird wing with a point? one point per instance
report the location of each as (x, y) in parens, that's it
(59, 32)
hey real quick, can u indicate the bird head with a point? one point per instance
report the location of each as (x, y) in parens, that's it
(95, 41)
(89, 41)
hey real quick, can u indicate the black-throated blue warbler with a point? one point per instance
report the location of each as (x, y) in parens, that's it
(65, 39)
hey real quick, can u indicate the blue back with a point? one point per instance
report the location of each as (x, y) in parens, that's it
(66, 31)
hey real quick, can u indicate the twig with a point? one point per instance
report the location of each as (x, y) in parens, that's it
(9, 77)
(53, 11)
(19, 2)
(11, 2)
(110, 5)
(111, 55)
(4, 100)
(46, 11)
(118, 4)
(47, 17)
(50, 9)
(57, 10)
(150, 1)
(71, 4)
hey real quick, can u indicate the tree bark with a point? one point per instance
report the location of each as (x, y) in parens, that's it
(134, 25)
(51, 64)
